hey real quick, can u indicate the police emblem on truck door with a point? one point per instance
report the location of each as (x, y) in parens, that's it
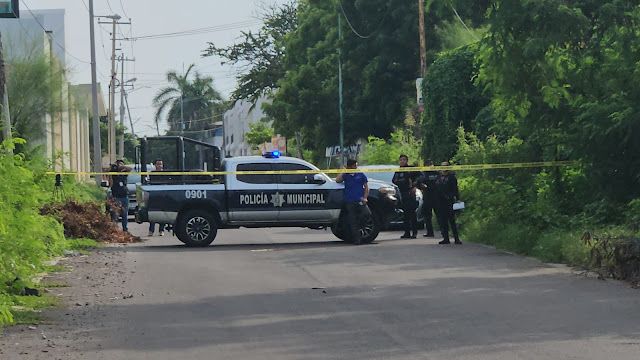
(306, 198)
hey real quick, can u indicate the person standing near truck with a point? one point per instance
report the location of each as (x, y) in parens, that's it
(356, 191)
(158, 166)
(118, 185)
(405, 180)
(427, 183)
(446, 194)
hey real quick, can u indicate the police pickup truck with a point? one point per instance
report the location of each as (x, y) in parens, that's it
(255, 192)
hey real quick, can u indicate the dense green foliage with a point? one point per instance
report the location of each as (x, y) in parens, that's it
(387, 152)
(451, 100)
(561, 83)
(376, 84)
(508, 81)
(260, 133)
(34, 86)
(26, 237)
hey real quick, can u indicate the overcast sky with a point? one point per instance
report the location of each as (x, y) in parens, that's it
(154, 57)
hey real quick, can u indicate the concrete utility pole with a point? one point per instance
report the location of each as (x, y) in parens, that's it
(97, 148)
(122, 94)
(423, 41)
(4, 97)
(342, 162)
(112, 93)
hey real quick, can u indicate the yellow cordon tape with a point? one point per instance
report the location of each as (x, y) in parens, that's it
(339, 171)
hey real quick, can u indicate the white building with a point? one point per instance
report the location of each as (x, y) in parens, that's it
(66, 132)
(236, 124)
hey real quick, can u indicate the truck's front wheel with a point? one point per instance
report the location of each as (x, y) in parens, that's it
(196, 228)
(369, 228)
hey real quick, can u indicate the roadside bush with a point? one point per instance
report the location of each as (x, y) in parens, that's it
(27, 237)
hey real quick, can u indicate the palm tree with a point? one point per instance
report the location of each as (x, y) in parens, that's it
(195, 103)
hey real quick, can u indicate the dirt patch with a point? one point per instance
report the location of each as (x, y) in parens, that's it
(96, 281)
(88, 220)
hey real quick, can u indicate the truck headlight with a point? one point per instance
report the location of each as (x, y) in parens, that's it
(388, 190)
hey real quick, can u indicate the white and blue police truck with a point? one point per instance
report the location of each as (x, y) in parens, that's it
(197, 205)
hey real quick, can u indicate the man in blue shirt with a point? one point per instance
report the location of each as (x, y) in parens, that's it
(356, 191)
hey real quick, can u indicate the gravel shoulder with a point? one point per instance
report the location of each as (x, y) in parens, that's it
(96, 281)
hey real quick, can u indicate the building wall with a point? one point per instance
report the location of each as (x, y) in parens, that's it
(66, 138)
(236, 124)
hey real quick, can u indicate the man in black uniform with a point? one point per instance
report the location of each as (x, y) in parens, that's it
(427, 183)
(405, 180)
(118, 185)
(446, 194)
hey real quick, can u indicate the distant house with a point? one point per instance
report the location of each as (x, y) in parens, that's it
(236, 124)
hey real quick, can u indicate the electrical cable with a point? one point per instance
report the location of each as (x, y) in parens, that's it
(123, 11)
(110, 8)
(377, 27)
(463, 24)
(197, 31)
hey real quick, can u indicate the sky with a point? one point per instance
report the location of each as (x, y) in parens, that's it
(157, 55)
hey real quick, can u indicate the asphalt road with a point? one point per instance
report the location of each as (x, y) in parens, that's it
(301, 294)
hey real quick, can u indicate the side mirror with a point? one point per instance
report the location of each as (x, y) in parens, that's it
(319, 179)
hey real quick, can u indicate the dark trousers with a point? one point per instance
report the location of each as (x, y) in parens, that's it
(446, 217)
(123, 205)
(428, 207)
(409, 206)
(355, 213)
(152, 227)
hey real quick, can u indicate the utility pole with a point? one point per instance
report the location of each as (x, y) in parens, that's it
(126, 99)
(97, 149)
(340, 90)
(122, 94)
(112, 92)
(6, 126)
(423, 40)
(121, 142)
(181, 115)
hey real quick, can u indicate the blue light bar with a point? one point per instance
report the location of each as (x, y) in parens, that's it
(271, 154)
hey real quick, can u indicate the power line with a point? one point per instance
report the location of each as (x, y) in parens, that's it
(109, 5)
(198, 31)
(463, 24)
(123, 11)
(52, 39)
(377, 27)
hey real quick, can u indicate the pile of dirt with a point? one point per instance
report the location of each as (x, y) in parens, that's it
(87, 220)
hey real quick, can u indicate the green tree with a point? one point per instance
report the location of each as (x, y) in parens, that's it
(34, 86)
(384, 152)
(260, 133)
(451, 100)
(560, 74)
(379, 67)
(261, 54)
(193, 102)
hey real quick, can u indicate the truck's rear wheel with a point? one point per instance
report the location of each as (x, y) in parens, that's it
(196, 228)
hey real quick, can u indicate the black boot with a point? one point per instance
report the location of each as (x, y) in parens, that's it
(406, 236)
(429, 225)
(445, 241)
